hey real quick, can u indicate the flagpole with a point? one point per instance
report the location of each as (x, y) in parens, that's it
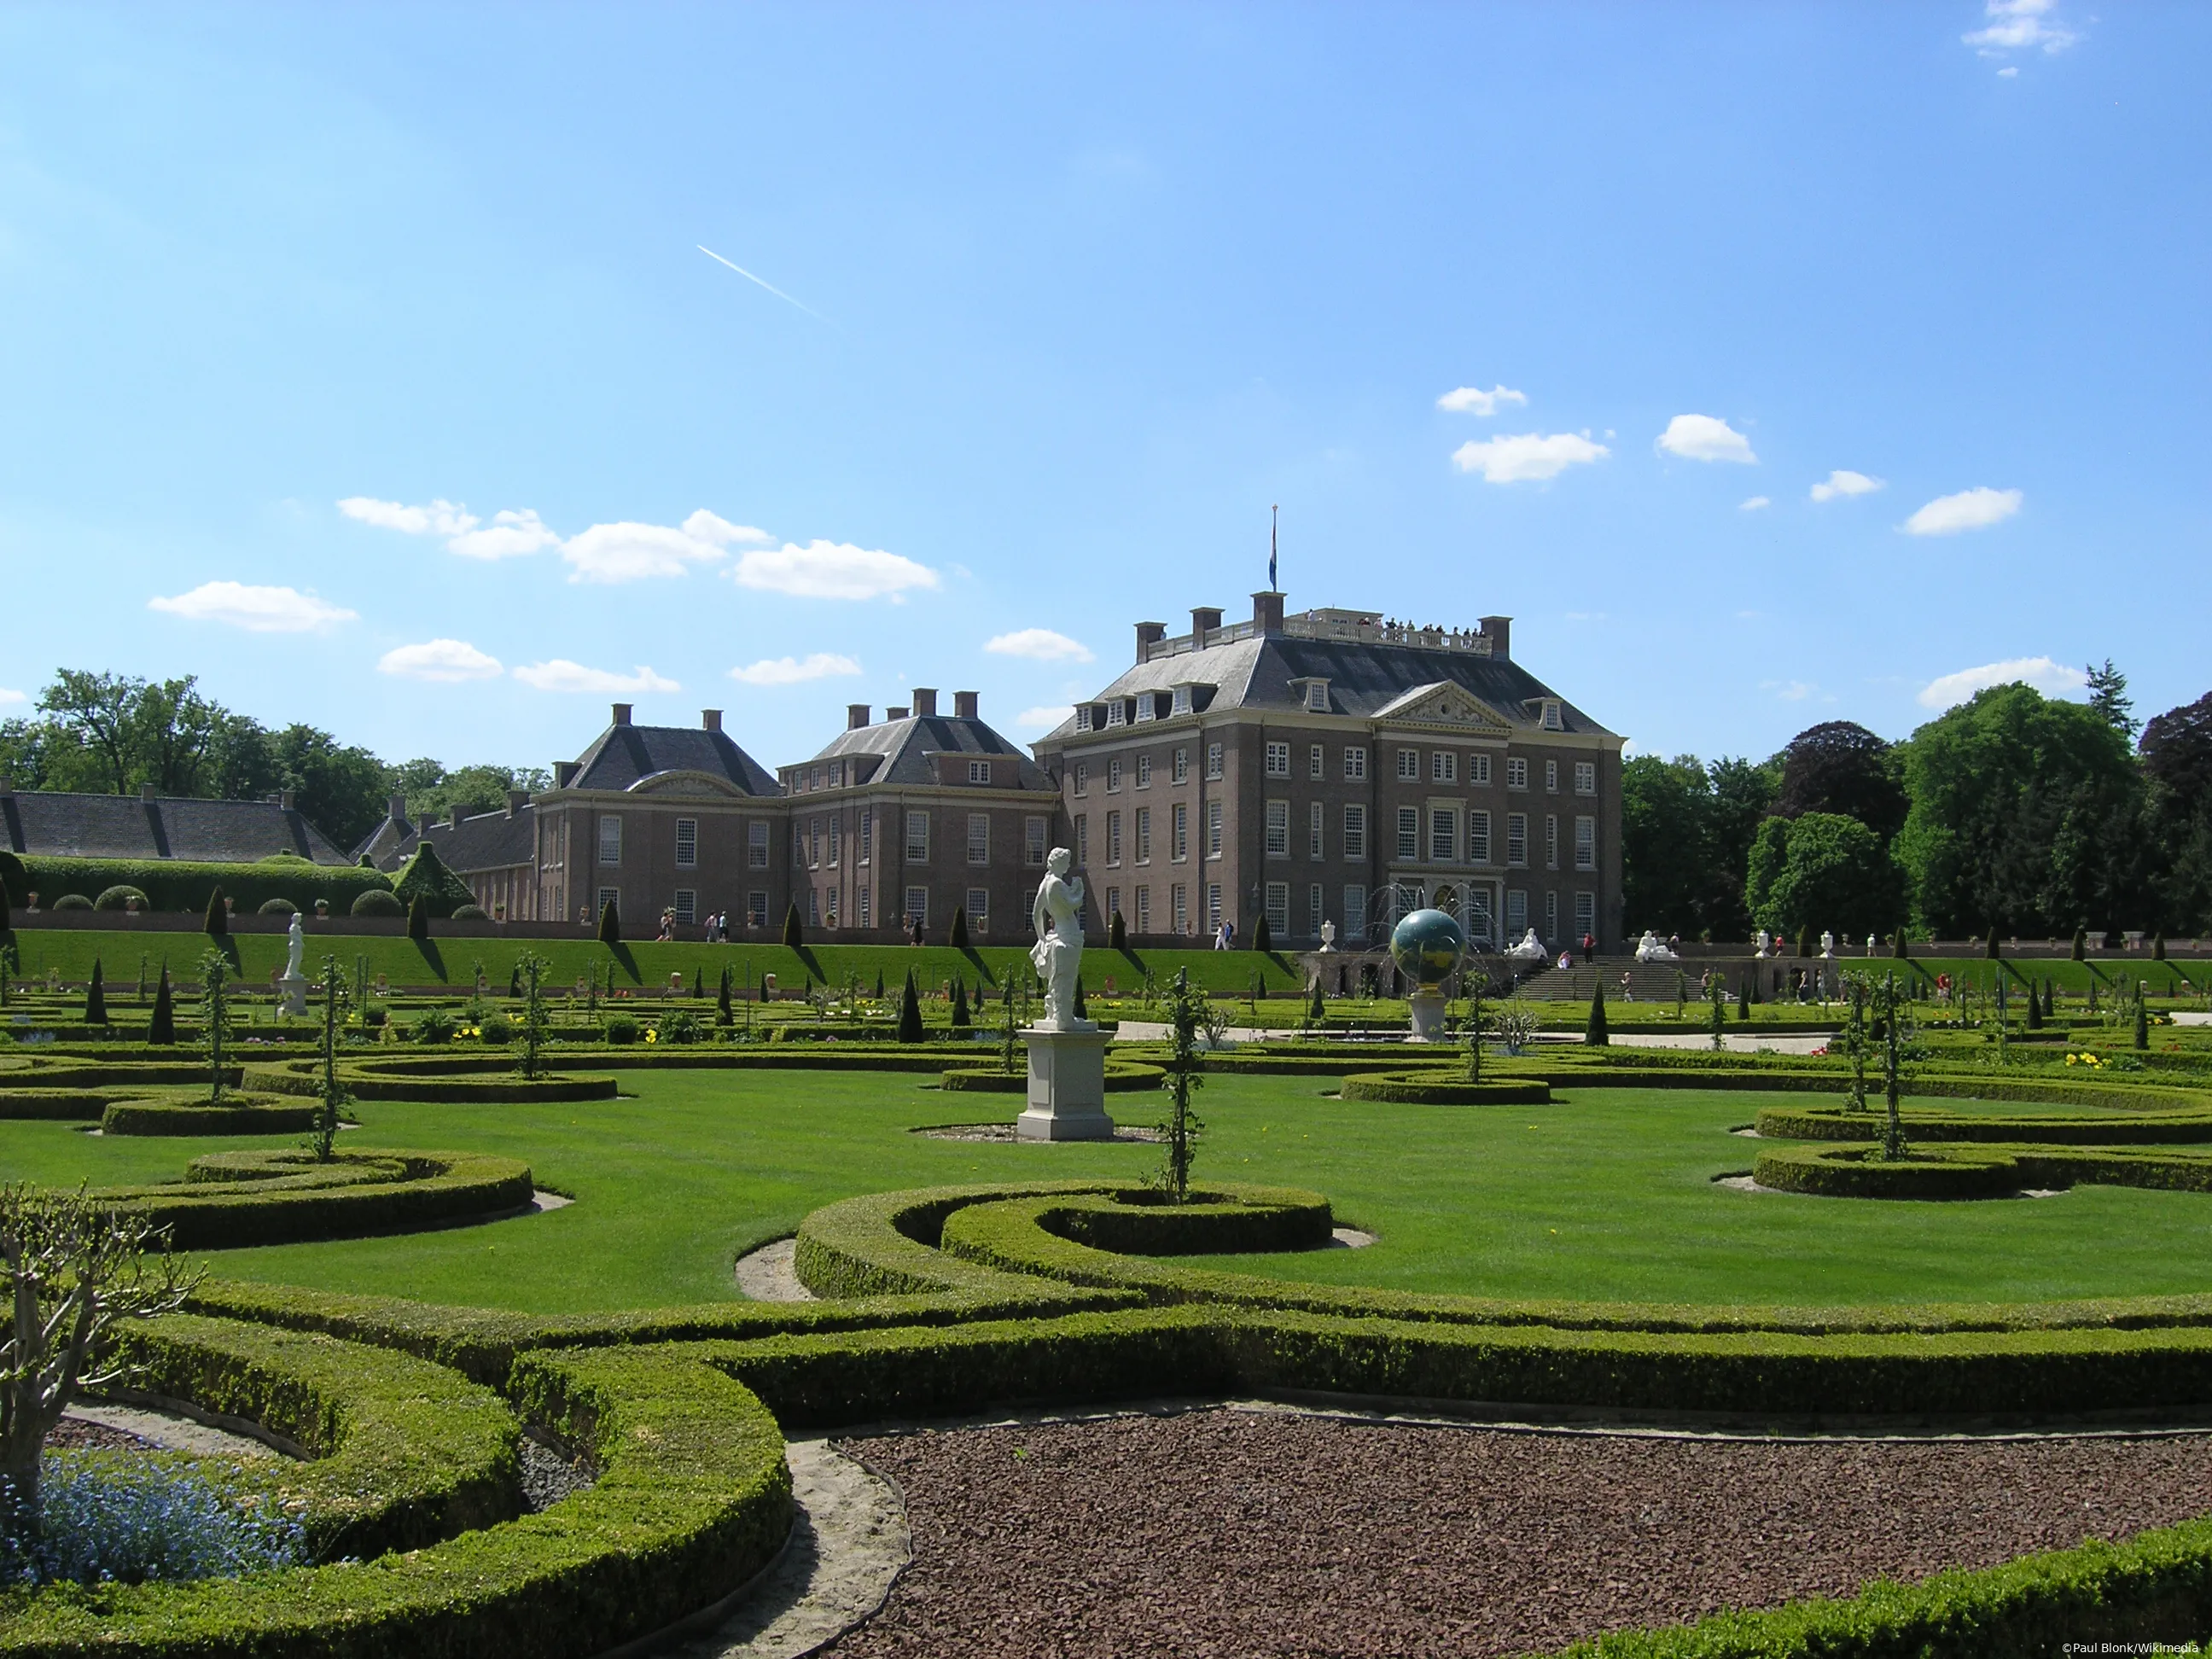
(1272, 513)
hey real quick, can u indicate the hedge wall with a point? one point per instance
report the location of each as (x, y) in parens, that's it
(1835, 1123)
(1445, 1088)
(1976, 1170)
(1122, 1077)
(180, 885)
(304, 1076)
(239, 1114)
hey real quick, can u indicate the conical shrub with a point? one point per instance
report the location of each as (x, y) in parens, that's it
(1594, 1034)
(909, 1025)
(610, 924)
(161, 1028)
(217, 923)
(95, 998)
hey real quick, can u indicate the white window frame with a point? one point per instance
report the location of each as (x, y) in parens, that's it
(1478, 836)
(1179, 833)
(1082, 778)
(917, 836)
(1318, 831)
(1516, 839)
(1276, 907)
(917, 905)
(1179, 906)
(1355, 831)
(979, 907)
(611, 821)
(687, 843)
(1034, 832)
(979, 771)
(1179, 768)
(1213, 829)
(1143, 910)
(1144, 771)
(1443, 834)
(1585, 842)
(1355, 910)
(1516, 911)
(757, 907)
(1317, 696)
(1113, 776)
(863, 893)
(1516, 772)
(1409, 766)
(1143, 830)
(1585, 777)
(1551, 777)
(1443, 766)
(1551, 840)
(1409, 835)
(1585, 914)
(756, 844)
(1317, 761)
(1113, 839)
(1355, 762)
(1278, 829)
(866, 819)
(1316, 909)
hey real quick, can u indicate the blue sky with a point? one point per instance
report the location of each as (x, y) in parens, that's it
(345, 349)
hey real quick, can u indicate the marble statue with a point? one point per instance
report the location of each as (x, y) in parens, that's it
(1058, 953)
(1530, 949)
(1328, 936)
(1827, 944)
(294, 983)
(1649, 949)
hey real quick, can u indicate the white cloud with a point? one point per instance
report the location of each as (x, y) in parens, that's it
(1842, 481)
(2052, 679)
(440, 518)
(790, 671)
(444, 660)
(1789, 691)
(2018, 25)
(1705, 438)
(511, 535)
(561, 675)
(830, 570)
(1970, 509)
(1039, 645)
(1752, 503)
(8, 696)
(627, 552)
(2008, 72)
(1044, 717)
(256, 609)
(1529, 456)
(1472, 400)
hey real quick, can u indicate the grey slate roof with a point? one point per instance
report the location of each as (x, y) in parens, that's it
(904, 745)
(58, 824)
(623, 754)
(387, 846)
(490, 840)
(1257, 672)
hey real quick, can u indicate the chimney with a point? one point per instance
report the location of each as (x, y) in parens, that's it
(925, 700)
(285, 799)
(711, 719)
(516, 800)
(146, 794)
(396, 809)
(1148, 635)
(622, 713)
(456, 818)
(856, 716)
(963, 706)
(1498, 630)
(1204, 620)
(1268, 612)
(564, 773)
(896, 712)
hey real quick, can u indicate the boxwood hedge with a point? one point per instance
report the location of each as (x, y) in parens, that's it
(1975, 1170)
(1445, 1088)
(183, 884)
(1122, 1077)
(238, 1115)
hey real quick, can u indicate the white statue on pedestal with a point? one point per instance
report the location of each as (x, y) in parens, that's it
(1827, 944)
(1763, 940)
(1649, 949)
(1328, 936)
(1058, 953)
(293, 984)
(1530, 949)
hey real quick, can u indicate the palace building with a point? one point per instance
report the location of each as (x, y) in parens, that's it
(1336, 767)
(1327, 767)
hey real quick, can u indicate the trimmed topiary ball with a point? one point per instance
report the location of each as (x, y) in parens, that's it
(470, 913)
(72, 901)
(378, 903)
(119, 898)
(279, 907)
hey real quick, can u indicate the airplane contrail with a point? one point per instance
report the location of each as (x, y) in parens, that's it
(770, 287)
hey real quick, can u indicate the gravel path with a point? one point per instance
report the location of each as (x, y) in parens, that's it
(1227, 1532)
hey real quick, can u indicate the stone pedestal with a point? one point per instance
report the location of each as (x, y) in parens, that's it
(1068, 1086)
(293, 989)
(1428, 1010)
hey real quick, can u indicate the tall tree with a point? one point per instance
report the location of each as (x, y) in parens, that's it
(1823, 872)
(2177, 762)
(1842, 767)
(98, 709)
(2108, 696)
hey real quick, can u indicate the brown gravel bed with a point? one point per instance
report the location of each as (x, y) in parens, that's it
(74, 1434)
(1226, 1533)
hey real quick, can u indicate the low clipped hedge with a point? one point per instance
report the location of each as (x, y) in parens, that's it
(1444, 1089)
(229, 1199)
(454, 1086)
(402, 1453)
(238, 1115)
(1975, 1170)
(1122, 1077)
(184, 885)
(64, 1104)
(693, 1499)
(2138, 1129)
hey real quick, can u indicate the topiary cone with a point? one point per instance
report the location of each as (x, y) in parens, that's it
(793, 937)
(418, 918)
(1263, 940)
(2081, 944)
(1594, 1034)
(610, 924)
(95, 998)
(1117, 934)
(958, 939)
(217, 923)
(909, 1025)
(959, 1000)
(1990, 950)
(161, 1028)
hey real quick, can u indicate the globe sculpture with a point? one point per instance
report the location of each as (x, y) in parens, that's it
(1427, 945)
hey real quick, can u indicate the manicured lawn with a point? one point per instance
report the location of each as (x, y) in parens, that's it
(1607, 1196)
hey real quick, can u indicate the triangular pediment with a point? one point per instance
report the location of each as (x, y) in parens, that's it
(1441, 705)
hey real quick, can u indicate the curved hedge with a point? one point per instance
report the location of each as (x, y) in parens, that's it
(401, 1453)
(1122, 1077)
(374, 1081)
(227, 1200)
(1975, 1170)
(239, 1114)
(2139, 1129)
(1445, 1088)
(693, 1499)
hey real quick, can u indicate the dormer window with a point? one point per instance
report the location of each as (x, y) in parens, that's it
(1181, 704)
(1317, 696)
(1552, 720)
(979, 771)
(1117, 713)
(1148, 708)
(1083, 718)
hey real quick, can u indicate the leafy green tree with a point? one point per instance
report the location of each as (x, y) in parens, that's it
(2024, 812)
(2177, 762)
(1686, 833)
(1822, 873)
(215, 1015)
(1189, 1014)
(2108, 696)
(334, 1095)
